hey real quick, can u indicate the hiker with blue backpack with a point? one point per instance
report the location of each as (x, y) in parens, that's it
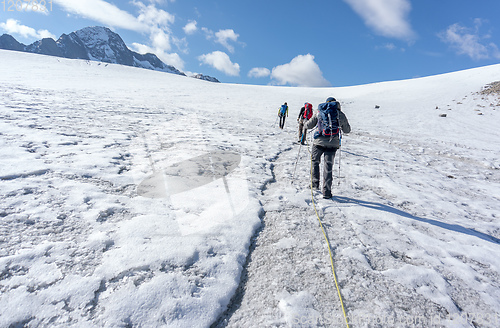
(331, 121)
(305, 114)
(283, 113)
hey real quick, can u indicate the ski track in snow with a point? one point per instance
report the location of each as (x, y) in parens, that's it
(413, 224)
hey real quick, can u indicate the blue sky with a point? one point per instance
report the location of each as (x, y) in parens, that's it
(275, 42)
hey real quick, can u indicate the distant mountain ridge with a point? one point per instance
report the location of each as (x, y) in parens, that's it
(91, 43)
(206, 78)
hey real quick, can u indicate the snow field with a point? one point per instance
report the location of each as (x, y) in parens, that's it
(413, 224)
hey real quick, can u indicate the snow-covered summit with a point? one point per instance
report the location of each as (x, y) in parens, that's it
(104, 45)
(97, 35)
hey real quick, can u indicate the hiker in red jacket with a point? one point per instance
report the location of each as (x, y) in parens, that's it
(305, 114)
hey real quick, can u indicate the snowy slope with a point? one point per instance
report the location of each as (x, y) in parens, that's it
(141, 199)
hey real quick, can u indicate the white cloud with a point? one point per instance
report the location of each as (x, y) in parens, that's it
(110, 15)
(160, 1)
(388, 18)
(495, 51)
(172, 59)
(190, 28)
(389, 46)
(168, 58)
(158, 24)
(152, 16)
(468, 41)
(221, 61)
(141, 48)
(181, 44)
(160, 40)
(208, 33)
(301, 71)
(223, 36)
(259, 72)
(12, 26)
(103, 12)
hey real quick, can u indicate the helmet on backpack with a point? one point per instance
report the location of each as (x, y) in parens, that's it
(330, 99)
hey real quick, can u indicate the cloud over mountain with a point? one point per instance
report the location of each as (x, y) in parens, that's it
(13, 26)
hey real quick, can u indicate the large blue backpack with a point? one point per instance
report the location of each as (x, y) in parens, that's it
(328, 120)
(283, 110)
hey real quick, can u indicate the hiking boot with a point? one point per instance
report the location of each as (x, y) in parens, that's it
(327, 196)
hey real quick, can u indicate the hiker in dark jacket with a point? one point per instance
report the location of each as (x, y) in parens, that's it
(327, 146)
(300, 120)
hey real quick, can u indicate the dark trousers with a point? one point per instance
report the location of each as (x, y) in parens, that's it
(329, 155)
(282, 121)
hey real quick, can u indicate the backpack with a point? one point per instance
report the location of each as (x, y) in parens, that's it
(328, 119)
(283, 110)
(308, 112)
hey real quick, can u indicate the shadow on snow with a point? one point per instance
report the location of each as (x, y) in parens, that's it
(389, 209)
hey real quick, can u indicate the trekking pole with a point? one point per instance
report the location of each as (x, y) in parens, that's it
(274, 125)
(340, 156)
(295, 168)
(340, 152)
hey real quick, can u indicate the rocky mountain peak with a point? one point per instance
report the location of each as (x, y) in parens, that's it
(91, 43)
